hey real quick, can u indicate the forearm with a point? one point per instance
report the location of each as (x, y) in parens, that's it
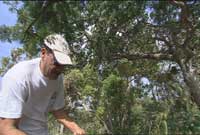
(8, 127)
(70, 124)
(11, 131)
(63, 118)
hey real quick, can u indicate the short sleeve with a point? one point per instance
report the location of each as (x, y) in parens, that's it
(12, 98)
(59, 101)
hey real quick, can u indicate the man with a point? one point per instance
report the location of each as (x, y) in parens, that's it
(31, 89)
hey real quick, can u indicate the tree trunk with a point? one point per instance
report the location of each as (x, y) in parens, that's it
(193, 84)
(192, 81)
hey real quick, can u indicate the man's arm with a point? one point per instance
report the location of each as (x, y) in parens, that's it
(8, 127)
(62, 117)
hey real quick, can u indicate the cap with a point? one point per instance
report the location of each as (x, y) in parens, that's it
(59, 46)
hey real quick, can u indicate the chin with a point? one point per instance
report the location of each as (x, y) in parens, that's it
(53, 77)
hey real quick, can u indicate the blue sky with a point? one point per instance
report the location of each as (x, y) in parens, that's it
(7, 18)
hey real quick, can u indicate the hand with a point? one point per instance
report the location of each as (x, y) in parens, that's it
(63, 118)
(79, 131)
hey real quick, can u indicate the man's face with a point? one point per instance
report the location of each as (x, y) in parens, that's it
(51, 69)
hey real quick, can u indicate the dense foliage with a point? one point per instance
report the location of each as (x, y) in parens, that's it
(137, 61)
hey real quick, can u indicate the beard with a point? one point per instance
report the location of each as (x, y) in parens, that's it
(54, 74)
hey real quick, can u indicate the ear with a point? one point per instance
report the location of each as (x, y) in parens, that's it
(43, 52)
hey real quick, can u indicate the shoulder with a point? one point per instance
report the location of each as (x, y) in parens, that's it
(22, 69)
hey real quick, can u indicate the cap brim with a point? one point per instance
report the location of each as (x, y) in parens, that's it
(62, 58)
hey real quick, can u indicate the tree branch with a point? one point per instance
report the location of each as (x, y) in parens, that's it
(44, 7)
(135, 56)
(184, 17)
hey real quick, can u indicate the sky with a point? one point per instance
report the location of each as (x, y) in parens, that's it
(7, 18)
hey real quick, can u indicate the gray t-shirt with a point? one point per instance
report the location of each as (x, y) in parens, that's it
(27, 94)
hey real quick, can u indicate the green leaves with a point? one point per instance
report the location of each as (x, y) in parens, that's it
(131, 40)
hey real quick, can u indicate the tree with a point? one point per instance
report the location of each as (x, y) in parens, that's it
(125, 42)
